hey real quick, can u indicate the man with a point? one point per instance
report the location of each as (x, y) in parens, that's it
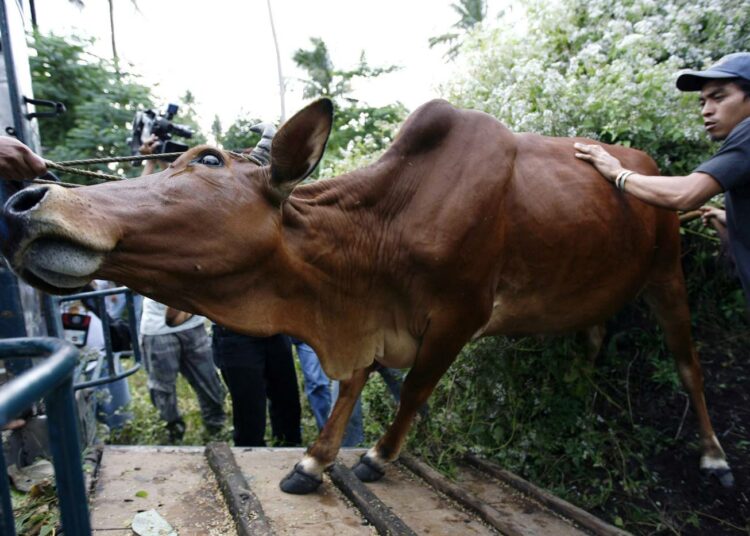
(259, 372)
(177, 342)
(725, 106)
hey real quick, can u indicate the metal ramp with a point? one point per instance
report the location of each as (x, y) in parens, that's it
(222, 491)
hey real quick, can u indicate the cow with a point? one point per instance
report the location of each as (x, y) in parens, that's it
(460, 229)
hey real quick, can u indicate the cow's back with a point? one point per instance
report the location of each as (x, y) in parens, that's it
(517, 225)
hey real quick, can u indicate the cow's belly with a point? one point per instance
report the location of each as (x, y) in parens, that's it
(536, 314)
(398, 349)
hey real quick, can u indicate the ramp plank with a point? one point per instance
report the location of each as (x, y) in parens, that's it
(419, 506)
(325, 511)
(174, 481)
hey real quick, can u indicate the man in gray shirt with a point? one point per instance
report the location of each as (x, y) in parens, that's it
(725, 106)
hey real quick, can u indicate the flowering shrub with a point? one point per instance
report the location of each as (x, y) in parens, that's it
(603, 69)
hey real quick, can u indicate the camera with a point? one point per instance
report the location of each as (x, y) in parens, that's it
(148, 122)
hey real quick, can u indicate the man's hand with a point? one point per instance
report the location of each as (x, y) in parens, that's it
(597, 156)
(148, 147)
(18, 162)
(713, 213)
(174, 317)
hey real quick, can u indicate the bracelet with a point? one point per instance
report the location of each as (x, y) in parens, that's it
(621, 178)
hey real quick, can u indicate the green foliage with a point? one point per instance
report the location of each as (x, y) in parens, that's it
(35, 513)
(100, 104)
(360, 131)
(238, 136)
(471, 13)
(604, 69)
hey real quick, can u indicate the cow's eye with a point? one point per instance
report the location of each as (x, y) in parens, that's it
(210, 160)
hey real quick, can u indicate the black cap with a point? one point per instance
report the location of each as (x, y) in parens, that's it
(735, 65)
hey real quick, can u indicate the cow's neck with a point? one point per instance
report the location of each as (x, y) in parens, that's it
(330, 241)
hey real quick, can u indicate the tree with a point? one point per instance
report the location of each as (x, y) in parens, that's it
(238, 136)
(471, 13)
(100, 105)
(359, 131)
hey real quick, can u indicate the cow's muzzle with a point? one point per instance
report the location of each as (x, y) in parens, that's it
(40, 249)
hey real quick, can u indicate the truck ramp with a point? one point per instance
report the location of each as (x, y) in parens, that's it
(220, 491)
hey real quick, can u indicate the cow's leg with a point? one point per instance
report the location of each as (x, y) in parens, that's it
(306, 475)
(668, 300)
(435, 356)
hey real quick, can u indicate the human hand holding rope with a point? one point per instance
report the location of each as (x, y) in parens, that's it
(18, 162)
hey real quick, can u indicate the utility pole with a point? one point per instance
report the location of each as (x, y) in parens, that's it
(282, 85)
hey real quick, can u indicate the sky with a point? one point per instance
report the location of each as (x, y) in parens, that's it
(223, 52)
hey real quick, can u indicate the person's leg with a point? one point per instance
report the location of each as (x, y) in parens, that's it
(161, 357)
(393, 380)
(355, 433)
(197, 365)
(243, 370)
(317, 384)
(283, 392)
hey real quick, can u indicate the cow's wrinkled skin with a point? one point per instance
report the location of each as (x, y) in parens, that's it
(461, 229)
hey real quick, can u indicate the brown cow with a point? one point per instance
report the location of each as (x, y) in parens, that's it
(461, 229)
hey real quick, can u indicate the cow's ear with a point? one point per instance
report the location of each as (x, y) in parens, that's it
(298, 146)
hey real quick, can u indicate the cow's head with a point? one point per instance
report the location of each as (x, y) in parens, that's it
(208, 216)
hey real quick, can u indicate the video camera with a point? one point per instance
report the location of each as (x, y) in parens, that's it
(148, 122)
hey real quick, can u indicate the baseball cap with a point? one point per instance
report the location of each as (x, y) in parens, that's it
(735, 65)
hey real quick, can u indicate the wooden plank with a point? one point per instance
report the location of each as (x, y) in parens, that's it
(502, 521)
(421, 507)
(580, 516)
(174, 481)
(243, 504)
(325, 511)
(375, 511)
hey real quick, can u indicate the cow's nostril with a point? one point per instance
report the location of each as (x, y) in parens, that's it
(26, 200)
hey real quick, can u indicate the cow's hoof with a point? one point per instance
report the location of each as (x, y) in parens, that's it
(367, 471)
(722, 474)
(299, 482)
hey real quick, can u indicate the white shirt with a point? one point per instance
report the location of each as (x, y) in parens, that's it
(153, 320)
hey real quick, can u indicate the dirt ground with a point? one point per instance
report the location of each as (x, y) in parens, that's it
(701, 504)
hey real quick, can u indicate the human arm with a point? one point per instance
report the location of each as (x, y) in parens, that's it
(174, 317)
(677, 193)
(148, 147)
(18, 162)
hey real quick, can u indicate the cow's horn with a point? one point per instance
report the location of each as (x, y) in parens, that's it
(262, 151)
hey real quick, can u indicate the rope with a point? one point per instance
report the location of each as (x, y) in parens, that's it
(66, 166)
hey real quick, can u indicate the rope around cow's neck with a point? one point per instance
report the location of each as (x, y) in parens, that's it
(66, 166)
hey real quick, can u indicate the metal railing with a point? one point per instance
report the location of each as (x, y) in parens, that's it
(112, 371)
(51, 379)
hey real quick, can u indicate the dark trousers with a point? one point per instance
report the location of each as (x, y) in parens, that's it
(257, 369)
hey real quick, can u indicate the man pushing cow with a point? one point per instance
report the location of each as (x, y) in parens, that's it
(725, 106)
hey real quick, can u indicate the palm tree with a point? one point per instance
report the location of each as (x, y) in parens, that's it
(471, 13)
